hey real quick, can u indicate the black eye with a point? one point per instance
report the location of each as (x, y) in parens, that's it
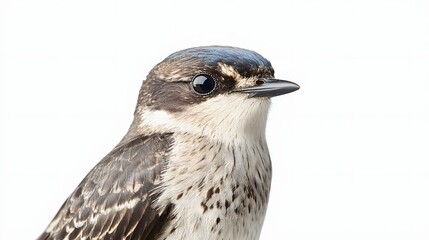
(203, 84)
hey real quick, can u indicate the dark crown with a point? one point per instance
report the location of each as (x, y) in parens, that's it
(190, 61)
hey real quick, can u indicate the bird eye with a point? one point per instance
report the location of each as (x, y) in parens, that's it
(203, 84)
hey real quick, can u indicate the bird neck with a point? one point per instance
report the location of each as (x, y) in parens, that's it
(220, 119)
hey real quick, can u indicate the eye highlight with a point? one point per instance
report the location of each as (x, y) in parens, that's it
(203, 84)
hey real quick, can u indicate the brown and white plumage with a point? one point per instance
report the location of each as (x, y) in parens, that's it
(114, 200)
(194, 163)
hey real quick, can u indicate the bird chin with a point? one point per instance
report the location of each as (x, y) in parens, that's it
(220, 118)
(230, 115)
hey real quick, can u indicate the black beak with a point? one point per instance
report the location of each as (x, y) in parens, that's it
(268, 87)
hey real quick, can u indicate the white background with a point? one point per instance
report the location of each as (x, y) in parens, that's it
(350, 149)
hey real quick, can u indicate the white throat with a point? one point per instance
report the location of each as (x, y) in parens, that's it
(224, 118)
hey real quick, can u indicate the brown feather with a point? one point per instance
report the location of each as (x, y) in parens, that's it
(98, 207)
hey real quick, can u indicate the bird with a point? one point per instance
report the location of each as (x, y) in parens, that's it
(194, 163)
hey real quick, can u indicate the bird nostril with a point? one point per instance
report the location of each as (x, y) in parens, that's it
(259, 82)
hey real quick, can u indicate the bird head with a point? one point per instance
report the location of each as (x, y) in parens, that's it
(216, 91)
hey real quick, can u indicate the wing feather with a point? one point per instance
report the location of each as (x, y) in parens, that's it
(114, 199)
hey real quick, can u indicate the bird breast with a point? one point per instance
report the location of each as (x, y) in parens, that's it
(218, 190)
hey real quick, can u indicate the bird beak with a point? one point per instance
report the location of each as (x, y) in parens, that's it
(268, 87)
